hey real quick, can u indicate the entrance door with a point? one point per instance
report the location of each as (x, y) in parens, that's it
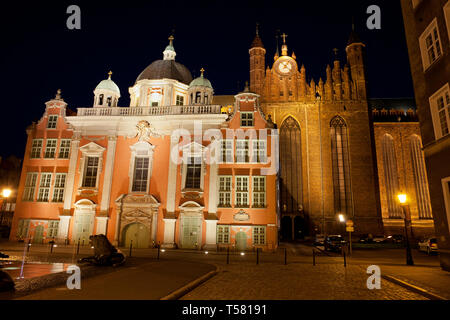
(286, 228)
(38, 234)
(84, 223)
(139, 234)
(241, 241)
(191, 232)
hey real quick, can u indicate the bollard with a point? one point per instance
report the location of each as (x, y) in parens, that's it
(159, 249)
(228, 255)
(345, 260)
(78, 247)
(29, 245)
(131, 247)
(83, 243)
(257, 255)
(51, 247)
(314, 257)
(285, 256)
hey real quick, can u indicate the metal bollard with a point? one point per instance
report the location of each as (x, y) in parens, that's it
(285, 256)
(257, 255)
(131, 247)
(314, 257)
(29, 245)
(159, 249)
(345, 260)
(228, 255)
(78, 247)
(51, 247)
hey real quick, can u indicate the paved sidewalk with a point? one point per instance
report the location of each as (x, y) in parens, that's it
(296, 282)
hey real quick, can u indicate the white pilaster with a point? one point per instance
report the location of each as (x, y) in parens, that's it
(213, 180)
(154, 224)
(109, 168)
(172, 175)
(102, 223)
(68, 192)
(211, 229)
(63, 228)
(169, 233)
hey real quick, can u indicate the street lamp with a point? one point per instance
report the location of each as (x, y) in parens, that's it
(403, 202)
(5, 194)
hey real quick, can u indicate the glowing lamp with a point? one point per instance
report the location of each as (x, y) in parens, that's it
(341, 218)
(402, 198)
(6, 193)
(242, 254)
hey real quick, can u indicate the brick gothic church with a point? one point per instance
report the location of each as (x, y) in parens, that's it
(334, 159)
(143, 174)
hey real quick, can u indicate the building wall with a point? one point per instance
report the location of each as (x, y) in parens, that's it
(426, 83)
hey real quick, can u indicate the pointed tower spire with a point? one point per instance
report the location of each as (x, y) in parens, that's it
(109, 75)
(257, 42)
(169, 53)
(284, 49)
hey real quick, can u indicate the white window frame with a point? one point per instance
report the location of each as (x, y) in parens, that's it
(50, 148)
(45, 184)
(446, 193)
(241, 192)
(433, 100)
(243, 154)
(424, 48)
(64, 149)
(247, 122)
(179, 100)
(225, 191)
(22, 228)
(36, 148)
(447, 17)
(30, 186)
(140, 149)
(257, 192)
(223, 234)
(52, 229)
(90, 150)
(193, 150)
(226, 151)
(52, 122)
(58, 187)
(259, 235)
(259, 151)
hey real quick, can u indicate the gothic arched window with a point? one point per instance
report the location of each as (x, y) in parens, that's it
(420, 178)
(341, 167)
(390, 176)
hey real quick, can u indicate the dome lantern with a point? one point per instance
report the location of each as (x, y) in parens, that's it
(200, 90)
(107, 93)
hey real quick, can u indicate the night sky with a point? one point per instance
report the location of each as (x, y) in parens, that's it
(39, 54)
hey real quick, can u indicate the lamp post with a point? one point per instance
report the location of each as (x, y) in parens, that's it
(403, 202)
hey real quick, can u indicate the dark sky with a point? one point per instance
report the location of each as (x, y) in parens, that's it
(39, 54)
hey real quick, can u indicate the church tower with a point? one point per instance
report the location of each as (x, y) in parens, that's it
(355, 58)
(257, 64)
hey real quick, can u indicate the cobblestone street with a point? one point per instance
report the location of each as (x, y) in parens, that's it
(296, 282)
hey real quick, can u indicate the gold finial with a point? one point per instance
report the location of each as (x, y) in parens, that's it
(58, 94)
(171, 38)
(109, 75)
(202, 70)
(284, 36)
(335, 50)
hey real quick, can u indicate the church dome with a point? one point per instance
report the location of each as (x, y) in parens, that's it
(201, 82)
(166, 69)
(108, 84)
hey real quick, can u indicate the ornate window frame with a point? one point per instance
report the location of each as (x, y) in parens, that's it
(141, 149)
(195, 150)
(90, 150)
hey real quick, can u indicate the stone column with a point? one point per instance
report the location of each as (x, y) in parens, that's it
(107, 181)
(154, 223)
(169, 233)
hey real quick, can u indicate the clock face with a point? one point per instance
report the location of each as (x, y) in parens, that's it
(285, 67)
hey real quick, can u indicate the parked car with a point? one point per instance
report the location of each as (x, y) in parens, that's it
(334, 242)
(319, 240)
(379, 238)
(428, 245)
(364, 238)
(395, 238)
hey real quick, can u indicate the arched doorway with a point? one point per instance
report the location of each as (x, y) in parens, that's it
(241, 241)
(38, 234)
(286, 228)
(291, 197)
(138, 233)
(83, 221)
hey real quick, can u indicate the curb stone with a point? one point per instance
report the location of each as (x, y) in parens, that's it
(191, 285)
(413, 288)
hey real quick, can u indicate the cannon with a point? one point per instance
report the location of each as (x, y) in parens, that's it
(105, 254)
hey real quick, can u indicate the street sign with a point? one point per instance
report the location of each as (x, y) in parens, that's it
(349, 223)
(350, 229)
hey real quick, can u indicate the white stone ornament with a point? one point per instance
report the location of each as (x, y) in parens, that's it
(145, 131)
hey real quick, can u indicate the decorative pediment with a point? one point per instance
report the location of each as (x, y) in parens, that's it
(137, 199)
(241, 216)
(92, 149)
(191, 206)
(84, 204)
